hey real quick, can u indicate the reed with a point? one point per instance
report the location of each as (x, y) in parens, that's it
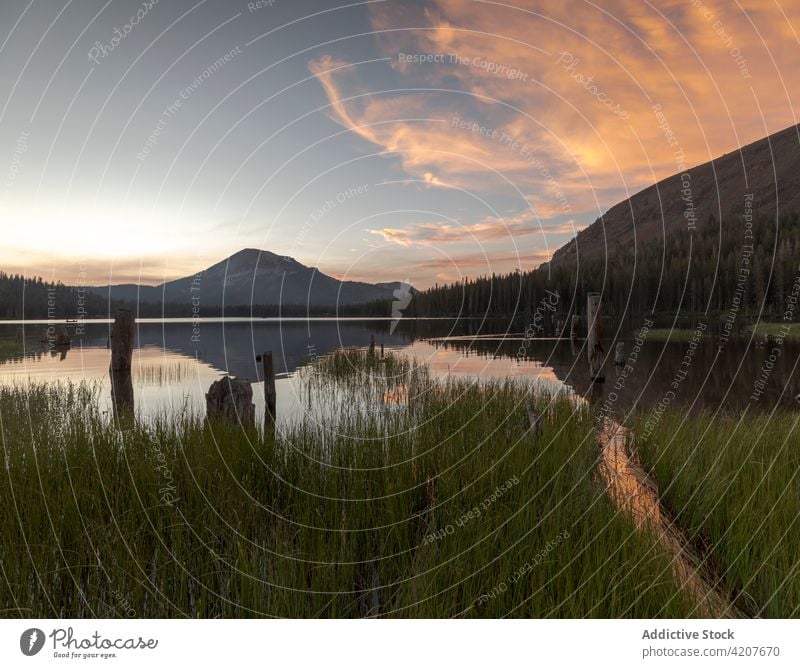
(439, 502)
(158, 374)
(732, 482)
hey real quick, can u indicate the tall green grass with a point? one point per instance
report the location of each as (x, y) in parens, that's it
(412, 498)
(733, 484)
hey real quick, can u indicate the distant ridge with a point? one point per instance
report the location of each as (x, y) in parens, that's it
(253, 277)
(768, 170)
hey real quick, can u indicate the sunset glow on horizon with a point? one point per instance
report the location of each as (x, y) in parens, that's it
(382, 141)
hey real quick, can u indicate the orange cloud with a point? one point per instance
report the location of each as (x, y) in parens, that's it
(466, 263)
(555, 104)
(575, 84)
(490, 229)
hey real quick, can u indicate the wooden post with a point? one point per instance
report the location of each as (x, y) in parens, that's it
(372, 345)
(121, 362)
(381, 351)
(573, 330)
(269, 390)
(619, 354)
(593, 337)
(231, 400)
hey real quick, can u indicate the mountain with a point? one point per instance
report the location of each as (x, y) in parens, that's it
(255, 277)
(768, 170)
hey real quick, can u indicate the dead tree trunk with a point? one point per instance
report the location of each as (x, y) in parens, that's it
(231, 400)
(593, 337)
(121, 363)
(270, 394)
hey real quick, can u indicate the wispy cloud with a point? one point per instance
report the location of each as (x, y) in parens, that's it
(714, 69)
(467, 264)
(490, 229)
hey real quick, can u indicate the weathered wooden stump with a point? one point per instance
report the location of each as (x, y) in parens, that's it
(122, 340)
(270, 395)
(121, 363)
(593, 338)
(231, 400)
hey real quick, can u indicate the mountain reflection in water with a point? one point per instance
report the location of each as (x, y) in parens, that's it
(175, 362)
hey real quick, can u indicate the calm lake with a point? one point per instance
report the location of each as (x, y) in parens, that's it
(176, 360)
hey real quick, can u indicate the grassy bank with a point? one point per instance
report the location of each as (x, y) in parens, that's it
(733, 485)
(11, 347)
(676, 335)
(789, 331)
(413, 498)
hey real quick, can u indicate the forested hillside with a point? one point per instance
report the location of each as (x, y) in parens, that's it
(740, 265)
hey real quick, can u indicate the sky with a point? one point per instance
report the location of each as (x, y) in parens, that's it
(387, 140)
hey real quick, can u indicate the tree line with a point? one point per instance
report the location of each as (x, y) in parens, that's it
(36, 299)
(749, 266)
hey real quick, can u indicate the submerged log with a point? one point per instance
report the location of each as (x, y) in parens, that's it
(231, 400)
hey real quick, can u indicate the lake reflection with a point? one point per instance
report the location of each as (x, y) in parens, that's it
(669, 373)
(175, 361)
